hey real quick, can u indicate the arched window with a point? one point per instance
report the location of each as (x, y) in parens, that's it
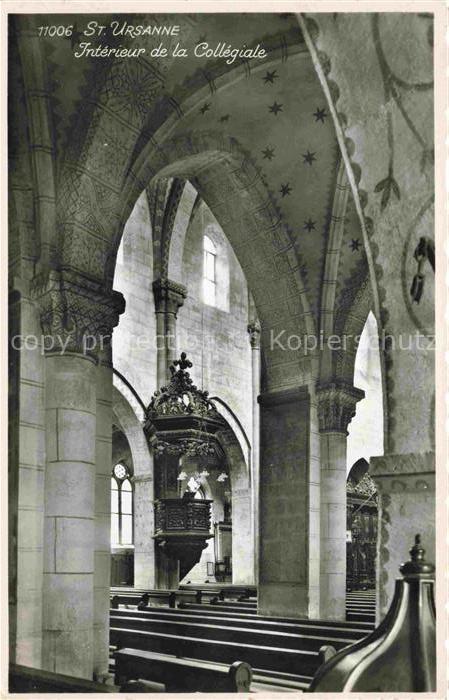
(121, 506)
(209, 272)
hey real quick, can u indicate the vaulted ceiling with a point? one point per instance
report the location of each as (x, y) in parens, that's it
(273, 108)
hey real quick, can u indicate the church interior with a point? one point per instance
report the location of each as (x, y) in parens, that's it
(221, 371)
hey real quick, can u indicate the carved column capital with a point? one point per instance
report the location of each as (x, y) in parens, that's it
(336, 406)
(254, 333)
(168, 295)
(77, 314)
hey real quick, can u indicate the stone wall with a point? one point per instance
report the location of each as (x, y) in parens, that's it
(284, 500)
(216, 341)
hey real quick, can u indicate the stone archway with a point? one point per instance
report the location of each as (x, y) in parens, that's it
(144, 548)
(243, 540)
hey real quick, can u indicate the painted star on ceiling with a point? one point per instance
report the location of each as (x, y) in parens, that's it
(309, 225)
(285, 189)
(275, 108)
(268, 153)
(320, 114)
(355, 244)
(309, 157)
(270, 76)
(205, 108)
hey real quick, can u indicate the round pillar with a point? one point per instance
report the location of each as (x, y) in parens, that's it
(168, 298)
(336, 408)
(78, 317)
(254, 339)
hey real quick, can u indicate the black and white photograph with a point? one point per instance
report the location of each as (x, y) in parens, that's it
(225, 255)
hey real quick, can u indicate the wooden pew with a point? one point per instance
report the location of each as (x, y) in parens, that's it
(262, 680)
(233, 604)
(142, 600)
(23, 679)
(168, 597)
(252, 615)
(344, 631)
(181, 675)
(266, 658)
(182, 594)
(313, 640)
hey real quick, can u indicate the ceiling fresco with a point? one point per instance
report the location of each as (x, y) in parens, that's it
(273, 108)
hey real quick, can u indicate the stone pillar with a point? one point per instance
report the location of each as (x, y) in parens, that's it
(336, 408)
(285, 534)
(254, 339)
(168, 298)
(79, 320)
(406, 487)
(242, 536)
(144, 548)
(26, 453)
(102, 554)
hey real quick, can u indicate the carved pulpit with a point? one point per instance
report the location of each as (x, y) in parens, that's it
(181, 421)
(182, 529)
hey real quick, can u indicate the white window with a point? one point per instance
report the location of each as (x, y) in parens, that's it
(209, 272)
(121, 507)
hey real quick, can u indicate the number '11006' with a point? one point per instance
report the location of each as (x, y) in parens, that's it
(54, 30)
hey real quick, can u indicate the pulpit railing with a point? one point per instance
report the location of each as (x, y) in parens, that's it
(175, 515)
(182, 528)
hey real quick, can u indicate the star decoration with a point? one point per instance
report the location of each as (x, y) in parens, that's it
(309, 225)
(320, 115)
(309, 157)
(225, 118)
(270, 76)
(355, 244)
(205, 108)
(275, 108)
(285, 189)
(268, 153)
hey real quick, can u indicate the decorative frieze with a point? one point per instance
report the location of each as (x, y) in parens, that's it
(403, 472)
(168, 296)
(336, 406)
(77, 315)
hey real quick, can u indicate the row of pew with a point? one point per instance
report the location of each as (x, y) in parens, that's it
(224, 637)
(128, 596)
(193, 646)
(361, 606)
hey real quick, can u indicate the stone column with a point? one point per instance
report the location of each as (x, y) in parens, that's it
(78, 317)
(144, 548)
(102, 554)
(336, 408)
(406, 487)
(26, 458)
(168, 298)
(242, 536)
(254, 339)
(285, 533)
